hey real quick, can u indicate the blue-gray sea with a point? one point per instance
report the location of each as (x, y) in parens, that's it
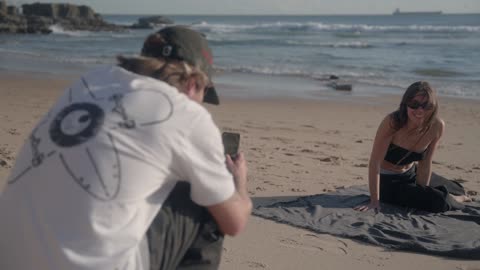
(374, 53)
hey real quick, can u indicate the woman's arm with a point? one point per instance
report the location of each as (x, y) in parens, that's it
(380, 145)
(424, 169)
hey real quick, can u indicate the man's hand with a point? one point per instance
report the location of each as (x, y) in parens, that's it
(238, 168)
(232, 214)
(365, 207)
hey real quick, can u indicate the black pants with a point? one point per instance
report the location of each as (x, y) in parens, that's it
(402, 189)
(184, 235)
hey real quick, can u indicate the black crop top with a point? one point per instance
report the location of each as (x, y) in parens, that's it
(400, 156)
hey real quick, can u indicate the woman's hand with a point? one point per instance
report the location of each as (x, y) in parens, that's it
(365, 207)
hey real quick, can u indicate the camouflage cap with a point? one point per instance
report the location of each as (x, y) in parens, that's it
(183, 44)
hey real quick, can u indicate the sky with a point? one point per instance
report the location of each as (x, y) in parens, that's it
(271, 7)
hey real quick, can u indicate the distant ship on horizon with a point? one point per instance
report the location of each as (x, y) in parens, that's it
(398, 12)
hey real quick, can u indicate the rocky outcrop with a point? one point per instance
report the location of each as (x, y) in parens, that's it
(3, 7)
(61, 12)
(334, 82)
(151, 22)
(341, 86)
(8, 10)
(10, 21)
(39, 17)
(12, 11)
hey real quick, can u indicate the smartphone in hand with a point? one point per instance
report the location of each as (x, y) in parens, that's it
(231, 142)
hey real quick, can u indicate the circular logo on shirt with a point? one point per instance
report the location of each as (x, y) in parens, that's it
(76, 124)
(101, 116)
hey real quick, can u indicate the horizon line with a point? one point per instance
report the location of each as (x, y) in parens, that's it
(270, 14)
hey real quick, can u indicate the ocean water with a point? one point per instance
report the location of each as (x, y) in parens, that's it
(374, 53)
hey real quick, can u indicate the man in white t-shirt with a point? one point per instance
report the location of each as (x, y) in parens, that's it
(125, 150)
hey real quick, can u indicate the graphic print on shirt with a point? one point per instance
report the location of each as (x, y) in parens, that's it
(76, 124)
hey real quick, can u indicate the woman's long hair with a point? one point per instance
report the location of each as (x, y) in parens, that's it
(400, 116)
(173, 72)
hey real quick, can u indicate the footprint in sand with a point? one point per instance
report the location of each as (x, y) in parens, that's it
(460, 180)
(454, 167)
(13, 131)
(334, 145)
(472, 193)
(332, 159)
(299, 171)
(278, 176)
(251, 264)
(284, 140)
(336, 246)
(288, 242)
(271, 183)
(312, 242)
(362, 165)
(4, 164)
(6, 158)
(333, 132)
(308, 126)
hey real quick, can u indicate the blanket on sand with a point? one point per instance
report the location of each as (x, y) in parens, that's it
(452, 234)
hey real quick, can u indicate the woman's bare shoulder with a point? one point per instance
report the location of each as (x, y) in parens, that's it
(438, 126)
(438, 122)
(388, 122)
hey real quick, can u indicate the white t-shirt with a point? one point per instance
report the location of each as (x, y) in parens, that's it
(96, 169)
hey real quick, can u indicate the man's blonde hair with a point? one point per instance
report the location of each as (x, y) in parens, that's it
(174, 72)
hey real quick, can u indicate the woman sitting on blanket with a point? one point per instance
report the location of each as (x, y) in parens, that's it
(400, 163)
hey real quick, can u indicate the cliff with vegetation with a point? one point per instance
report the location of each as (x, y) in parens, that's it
(39, 17)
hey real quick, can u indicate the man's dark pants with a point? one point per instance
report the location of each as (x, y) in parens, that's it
(184, 235)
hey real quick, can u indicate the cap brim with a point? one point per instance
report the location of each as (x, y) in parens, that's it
(211, 96)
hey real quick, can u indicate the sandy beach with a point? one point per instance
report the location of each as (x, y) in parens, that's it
(294, 147)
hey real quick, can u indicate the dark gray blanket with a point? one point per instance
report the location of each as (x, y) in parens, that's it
(452, 234)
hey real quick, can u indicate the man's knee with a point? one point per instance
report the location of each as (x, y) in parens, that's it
(184, 235)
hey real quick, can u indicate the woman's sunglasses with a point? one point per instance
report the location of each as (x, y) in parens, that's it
(415, 105)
